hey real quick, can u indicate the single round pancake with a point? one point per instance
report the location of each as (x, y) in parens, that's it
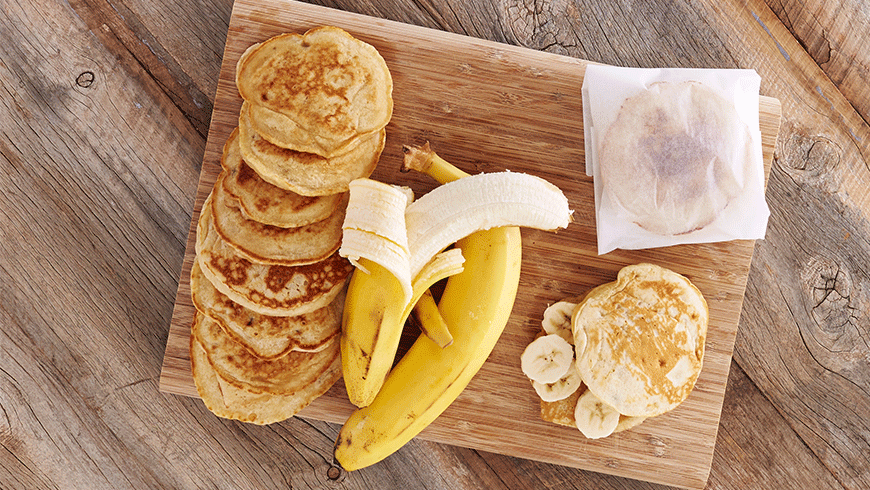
(640, 340)
(263, 202)
(308, 174)
(329, 83)
(268, 244)
(267, 337)
(274, 290)
(227, 401)
(281, 130)
(675, 156)
(238, 367)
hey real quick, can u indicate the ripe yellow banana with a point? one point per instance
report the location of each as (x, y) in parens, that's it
(430, 321)
(374, 315)
(429, 378)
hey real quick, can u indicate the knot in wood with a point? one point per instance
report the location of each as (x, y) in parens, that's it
(808, 156)
(85, 79)
(333, 473)
(829, 288)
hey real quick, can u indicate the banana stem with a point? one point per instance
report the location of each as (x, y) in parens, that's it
(423, 159)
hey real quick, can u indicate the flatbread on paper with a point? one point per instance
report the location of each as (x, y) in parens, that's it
(675, 155)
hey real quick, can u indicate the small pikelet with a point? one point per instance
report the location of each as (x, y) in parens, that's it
(640, 340)
(265, 203)
(319, 91)
(638, 344)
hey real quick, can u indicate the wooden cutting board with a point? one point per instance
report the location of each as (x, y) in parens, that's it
(488, 107)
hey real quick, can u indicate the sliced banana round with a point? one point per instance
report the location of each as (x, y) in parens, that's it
(557, 320)
(547, 359)
(561, 389)
(594, 418)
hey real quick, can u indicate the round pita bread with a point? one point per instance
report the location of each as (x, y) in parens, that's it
(263, 202)
(675, 156)
(640, 340)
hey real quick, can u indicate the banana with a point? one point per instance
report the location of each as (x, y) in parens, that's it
(594, 418)
(557, 320)
(374, 313)
(370, 329)
(427, 317)
(429, 378)
(560, 389)
(547, 359)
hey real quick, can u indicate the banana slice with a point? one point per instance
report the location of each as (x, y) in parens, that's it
(547, 359)
(594, 418)
(561, 389)
(557, 320)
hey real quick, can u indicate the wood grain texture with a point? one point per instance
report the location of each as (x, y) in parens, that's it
(493, 107)
(834, 34)
(100, 150)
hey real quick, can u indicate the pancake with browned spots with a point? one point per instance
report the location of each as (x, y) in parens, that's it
(275, 290)
(266, 203)
(237, 366)
(640, 340)
(227, 401)
(331, 85)
(272, 244)
(266, 336)
(304, 173)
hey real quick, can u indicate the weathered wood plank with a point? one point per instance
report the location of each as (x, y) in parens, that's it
(96, 183)
(745, 460)
(804, 328)
(834, 34)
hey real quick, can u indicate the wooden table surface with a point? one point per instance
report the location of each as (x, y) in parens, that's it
(104, 114)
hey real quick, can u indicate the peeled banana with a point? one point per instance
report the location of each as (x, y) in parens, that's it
(547, 359)
(475, 305)
(374, 313)
(557, 320)
(594, 418)
(561, 388)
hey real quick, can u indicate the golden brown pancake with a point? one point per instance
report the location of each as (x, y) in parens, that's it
(267, 337)
(281, 130)
(263, 202)
(329, 83)
(237, 366)
(640, 340)
(275, 290)
(675, 156)
(272, 244)
(227, 401)
(308, 174)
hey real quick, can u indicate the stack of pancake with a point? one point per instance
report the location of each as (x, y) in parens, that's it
(639, 343)
(268, 283)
